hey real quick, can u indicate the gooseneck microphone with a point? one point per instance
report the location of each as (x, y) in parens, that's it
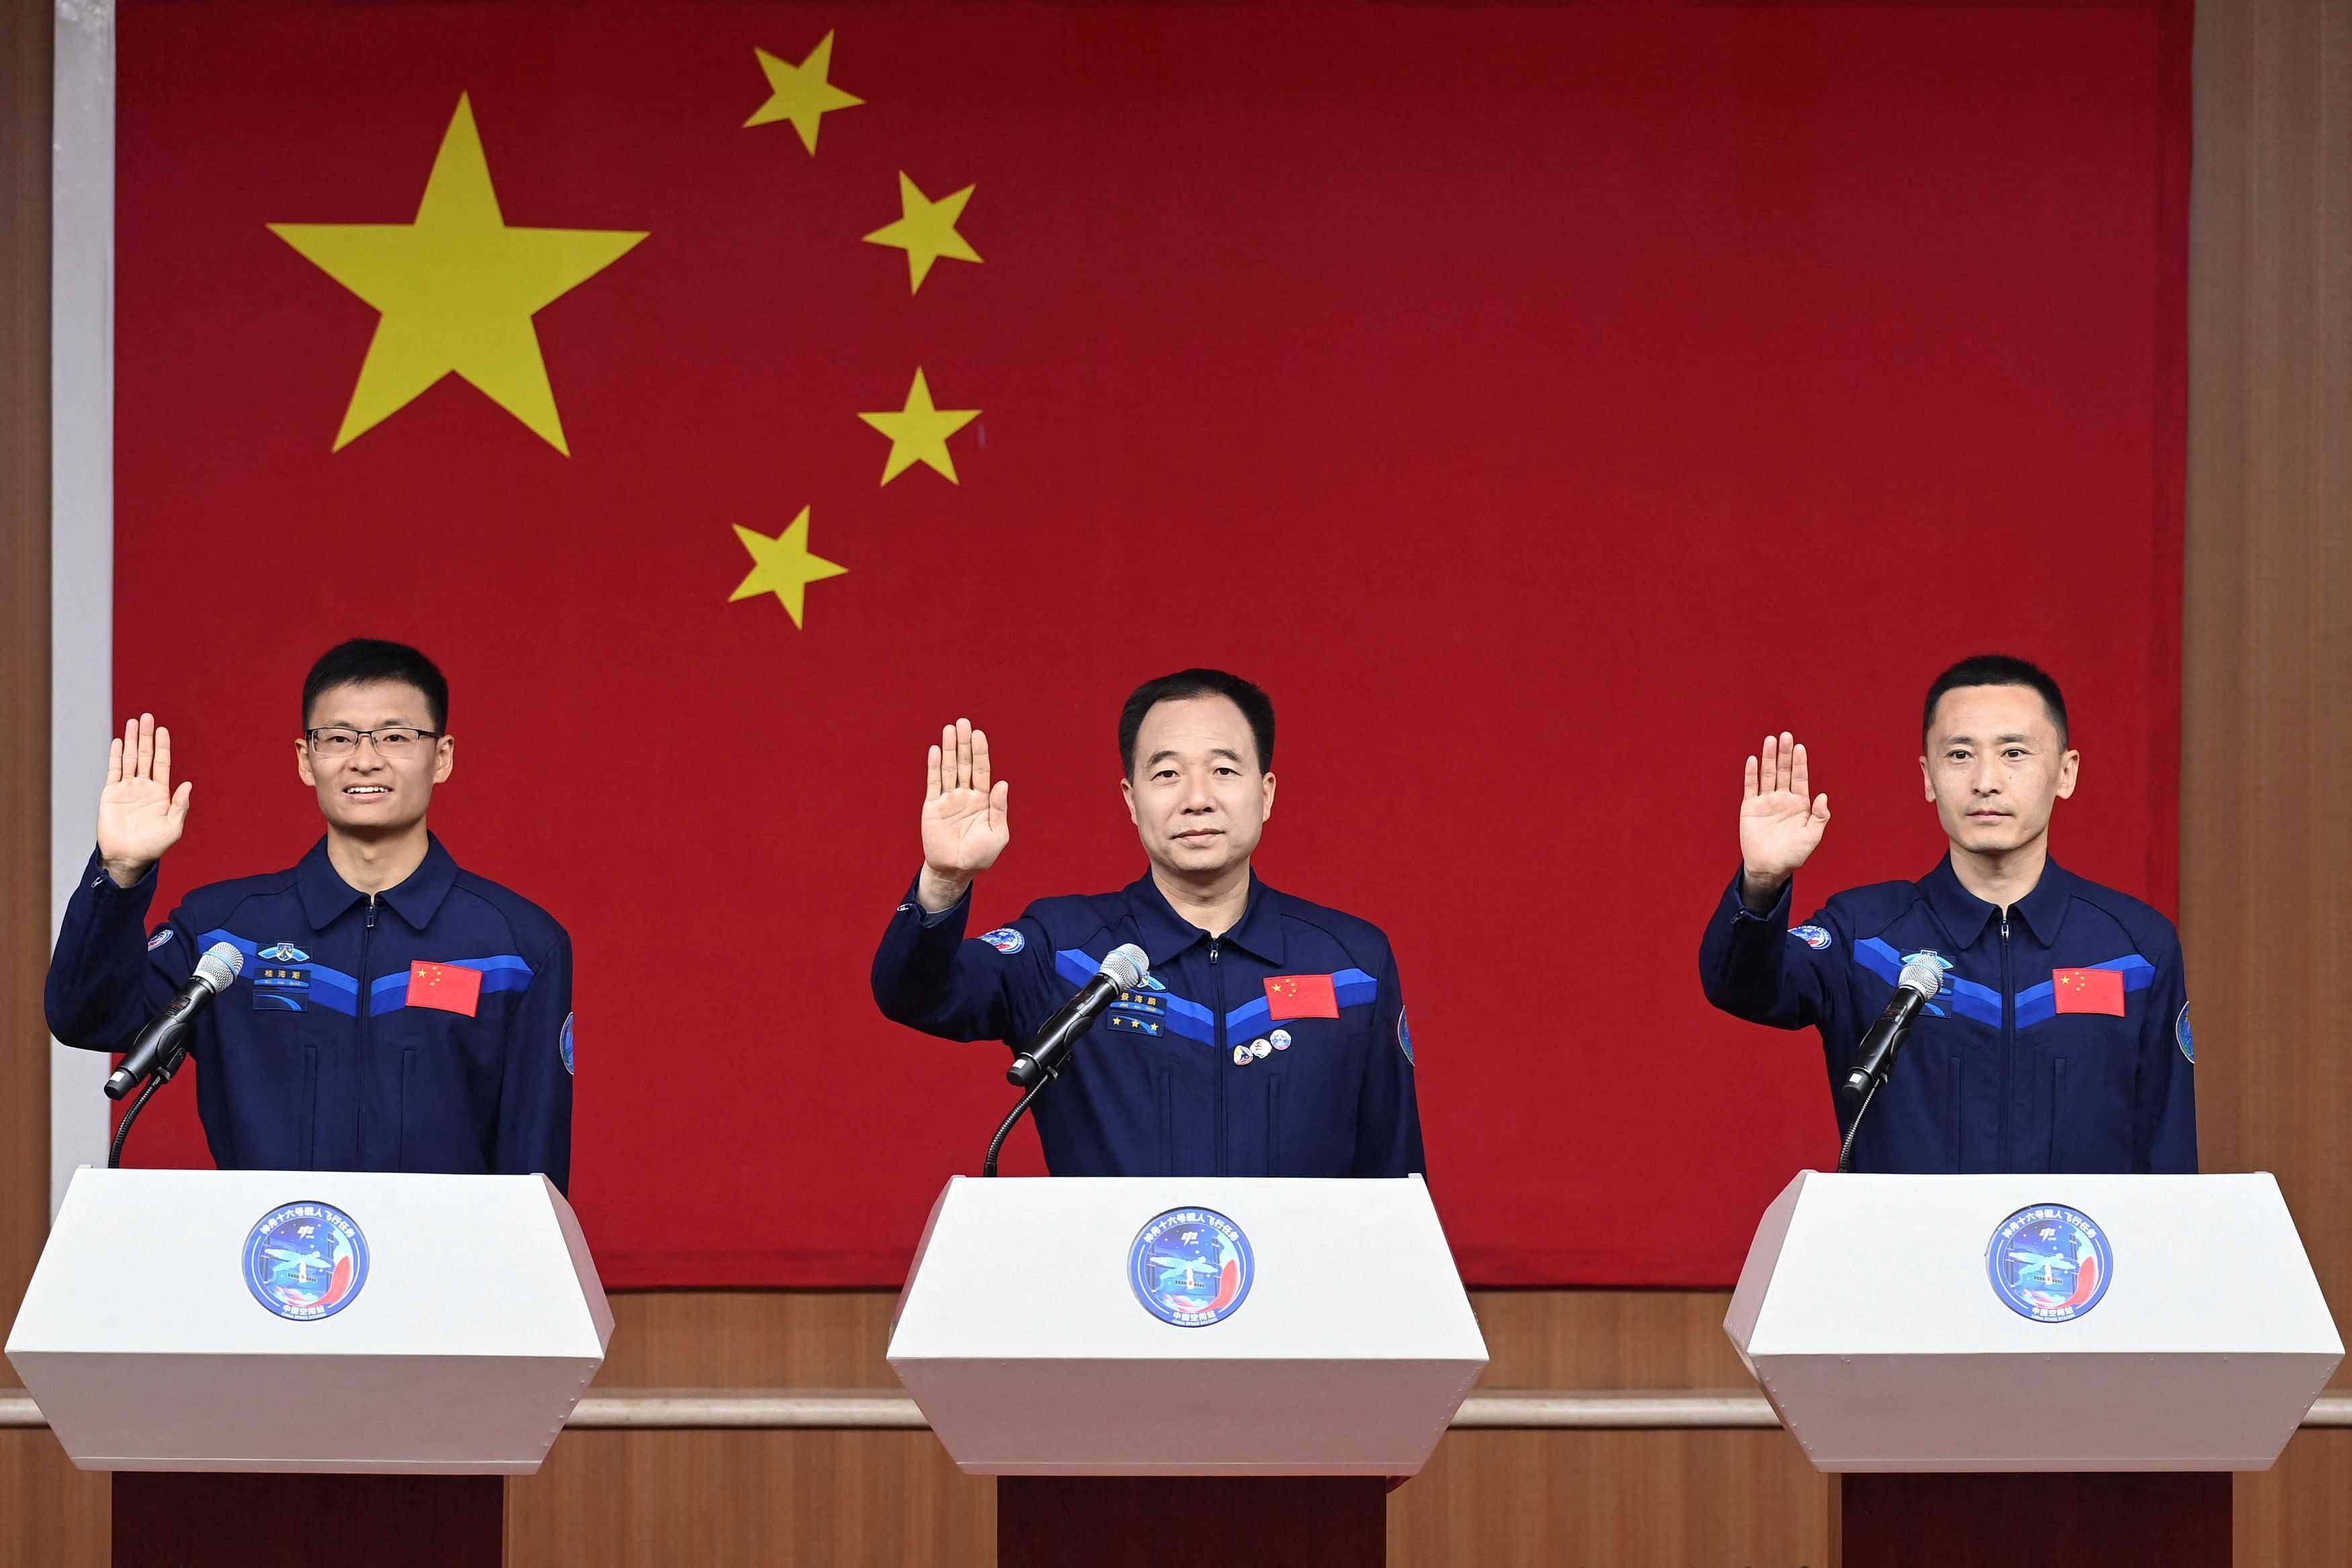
(1918, 982)
(166, 1035)
(1051, 1046)
(1123, 970)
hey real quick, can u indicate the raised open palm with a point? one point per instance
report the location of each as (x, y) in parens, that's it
(963, 814)
(1780, 820)
(140, 815)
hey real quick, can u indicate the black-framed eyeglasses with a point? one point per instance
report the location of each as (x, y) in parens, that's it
(392, 743)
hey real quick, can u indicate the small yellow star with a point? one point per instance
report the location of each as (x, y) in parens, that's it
(800, 92)
(458, 289)
(918, 432)
(927, 231)
(783, 566)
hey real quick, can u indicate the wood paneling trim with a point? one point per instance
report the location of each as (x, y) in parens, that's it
(50, 1514)
(2266, 819)
(24, 640)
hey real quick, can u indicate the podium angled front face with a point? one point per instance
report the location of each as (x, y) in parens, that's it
(1139, 1356)
(2079, 1358)
(309, 1340)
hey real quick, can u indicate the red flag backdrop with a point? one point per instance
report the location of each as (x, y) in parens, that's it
(1540, 401)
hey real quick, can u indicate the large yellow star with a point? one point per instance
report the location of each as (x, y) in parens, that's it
(918, 432)
(783, 566)
(800, 92)
(458, 288)
(927, 231)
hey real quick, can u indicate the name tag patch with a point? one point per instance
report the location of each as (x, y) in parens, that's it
(449, 988)
(280, 989)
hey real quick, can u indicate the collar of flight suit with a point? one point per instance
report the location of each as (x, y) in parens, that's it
(325, 894)
(1964, 915)
(1166, 934)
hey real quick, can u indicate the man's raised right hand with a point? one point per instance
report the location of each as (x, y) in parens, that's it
(140, 815)
(964, 817)
(1780, 824)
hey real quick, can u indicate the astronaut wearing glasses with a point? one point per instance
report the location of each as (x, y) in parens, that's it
(394, 1012)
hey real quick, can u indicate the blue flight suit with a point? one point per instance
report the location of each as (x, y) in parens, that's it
(317, 1059)
(1155, 1086)
(1995, 1076)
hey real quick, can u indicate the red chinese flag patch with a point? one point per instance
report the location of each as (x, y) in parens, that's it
(2088, 990)
(453, 987)
(1301, 997)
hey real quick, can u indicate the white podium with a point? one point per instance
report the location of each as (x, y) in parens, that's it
(1183, 1327)
(349, 1326)
(2036, 1323)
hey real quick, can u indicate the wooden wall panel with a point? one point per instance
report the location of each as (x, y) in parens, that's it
(645, 1499)
(2267, 739)
(1612, 1499)
(2266, 816)
(24, 639)
(733, 1500)
(50, 1514)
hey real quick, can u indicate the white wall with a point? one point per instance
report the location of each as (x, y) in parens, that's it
(81, 517)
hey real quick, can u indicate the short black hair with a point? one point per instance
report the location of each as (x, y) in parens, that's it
(1995, 670)
(1255, 705)
(365, 659)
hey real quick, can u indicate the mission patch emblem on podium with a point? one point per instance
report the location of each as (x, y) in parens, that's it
(305, 1261)
(1190, 1266)
(2050, 1262)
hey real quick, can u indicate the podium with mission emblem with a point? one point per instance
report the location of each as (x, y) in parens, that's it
(1149, 1360)
(2078, 1362)
(308, 1356)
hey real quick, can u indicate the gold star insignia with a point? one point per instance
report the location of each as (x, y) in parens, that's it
(783, 566)
(926, 231)
(918, 432)
(458, 289)
(800, 92)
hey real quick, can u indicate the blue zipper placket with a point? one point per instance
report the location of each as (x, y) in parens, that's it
(2007, 1052)
(367, 1027)
(1225, 1051)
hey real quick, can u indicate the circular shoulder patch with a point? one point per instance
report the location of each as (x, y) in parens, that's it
(2050, 1263)
(1190, 1266)
(1814, 936)
(1006, 940)
(1404, 1037)
(2181, 1033)
(566, 1042)
(162, 934)
(305, 1261)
